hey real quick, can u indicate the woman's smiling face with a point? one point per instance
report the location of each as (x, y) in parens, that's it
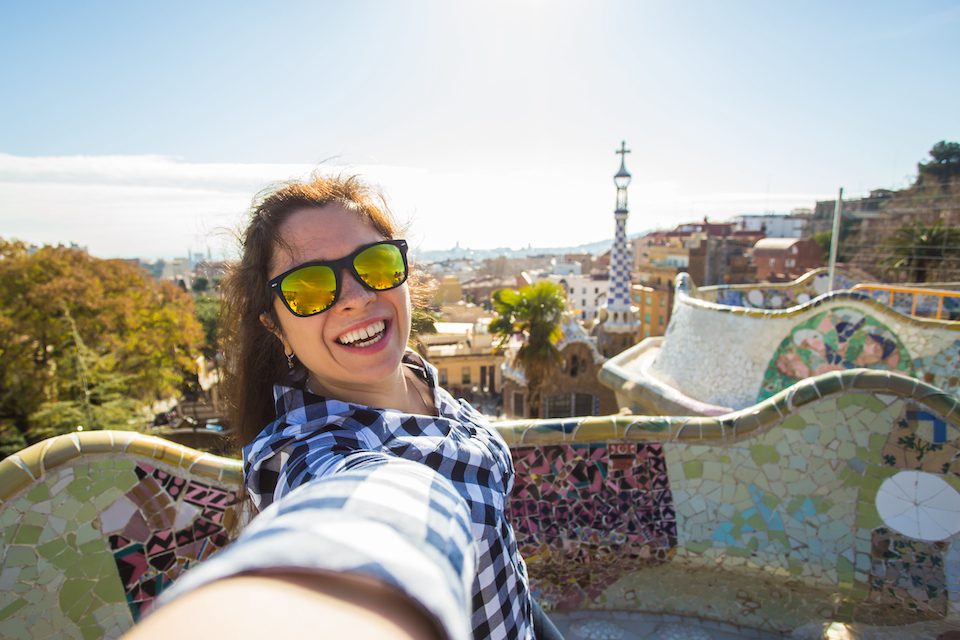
(359, 341)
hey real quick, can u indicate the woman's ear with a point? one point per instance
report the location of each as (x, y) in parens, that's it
(272, 327)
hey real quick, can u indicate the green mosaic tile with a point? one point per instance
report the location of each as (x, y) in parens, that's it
(52, 549)
(70, 509)
(8, 517)
(34, 519)
(86, 513)
(39, 493)
(865, 401)
(693, 469)
(27, 534)
(74, 597)
(109, 588)
(12, 608)
(19, 556)
(877, 441)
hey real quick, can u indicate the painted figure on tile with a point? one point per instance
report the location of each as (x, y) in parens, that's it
(842, 338)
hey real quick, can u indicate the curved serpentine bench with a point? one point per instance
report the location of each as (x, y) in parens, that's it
(716, 357)
(771, 517)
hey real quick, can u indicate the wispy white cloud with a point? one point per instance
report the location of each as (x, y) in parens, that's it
(154, 206)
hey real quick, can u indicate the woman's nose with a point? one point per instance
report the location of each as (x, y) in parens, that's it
(354, 295)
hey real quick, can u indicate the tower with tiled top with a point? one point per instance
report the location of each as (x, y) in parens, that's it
(620, 324)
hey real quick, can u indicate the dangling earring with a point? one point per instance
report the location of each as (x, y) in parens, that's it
(289, 360)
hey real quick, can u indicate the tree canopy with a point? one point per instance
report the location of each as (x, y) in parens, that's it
(533, 313)
(945, 163)
(85, 341)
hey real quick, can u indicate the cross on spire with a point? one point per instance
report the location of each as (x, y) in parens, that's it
(622, 151)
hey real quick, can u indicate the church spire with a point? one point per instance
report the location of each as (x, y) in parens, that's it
(621, 316)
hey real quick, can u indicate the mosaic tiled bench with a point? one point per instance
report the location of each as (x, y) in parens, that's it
(767, 518)
(765, 295)
(717, 357)
(775, 295)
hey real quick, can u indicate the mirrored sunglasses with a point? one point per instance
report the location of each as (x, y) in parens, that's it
(313, 287)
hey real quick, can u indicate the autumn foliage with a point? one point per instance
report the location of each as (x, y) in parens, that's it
(86, 341)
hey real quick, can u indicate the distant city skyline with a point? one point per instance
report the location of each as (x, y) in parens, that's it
(144, 131)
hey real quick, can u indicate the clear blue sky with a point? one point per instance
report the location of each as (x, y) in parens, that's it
(137, 128)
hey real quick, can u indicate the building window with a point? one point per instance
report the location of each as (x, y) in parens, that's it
(443, 376)
(583, 302)
(661, 321)
(791, 262)
(566, 405)
(465, 375)
(596, 289)
(518, 404)
(574, 366)
(649, 300)
(559, 406)
(584, 404)
(646, 318)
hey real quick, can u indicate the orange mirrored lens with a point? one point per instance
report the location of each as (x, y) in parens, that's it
(309, 290)
(381, 267)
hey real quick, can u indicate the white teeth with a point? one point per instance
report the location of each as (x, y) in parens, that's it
(373, 331)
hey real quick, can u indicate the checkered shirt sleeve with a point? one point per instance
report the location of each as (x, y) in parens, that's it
(397, 521)
(316, 437)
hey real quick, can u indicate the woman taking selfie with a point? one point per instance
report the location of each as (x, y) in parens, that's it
(322, 385)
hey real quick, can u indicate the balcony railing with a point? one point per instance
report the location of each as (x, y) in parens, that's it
(936, 303)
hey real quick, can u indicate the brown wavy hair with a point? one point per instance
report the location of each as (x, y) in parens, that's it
(253, 357)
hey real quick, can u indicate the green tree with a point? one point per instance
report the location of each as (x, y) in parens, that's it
(200, 284)
(918, 249)
(824, 238)
(533, 313)
(86, 341)
(944, 164)
(207, 310)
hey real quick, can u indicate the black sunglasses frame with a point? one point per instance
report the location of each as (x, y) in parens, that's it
(338, 267)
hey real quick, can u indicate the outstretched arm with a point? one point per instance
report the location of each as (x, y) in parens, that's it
(377, 551)
(286, 605)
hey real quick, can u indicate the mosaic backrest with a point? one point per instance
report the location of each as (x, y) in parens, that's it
(775, 296)
(775, 516)
(95, 525)
(731, 356)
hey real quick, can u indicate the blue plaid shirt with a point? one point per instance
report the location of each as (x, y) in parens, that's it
(316, 437)
(413, 520)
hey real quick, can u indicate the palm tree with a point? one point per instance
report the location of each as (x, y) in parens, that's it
(918, 248)
(534, 314)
